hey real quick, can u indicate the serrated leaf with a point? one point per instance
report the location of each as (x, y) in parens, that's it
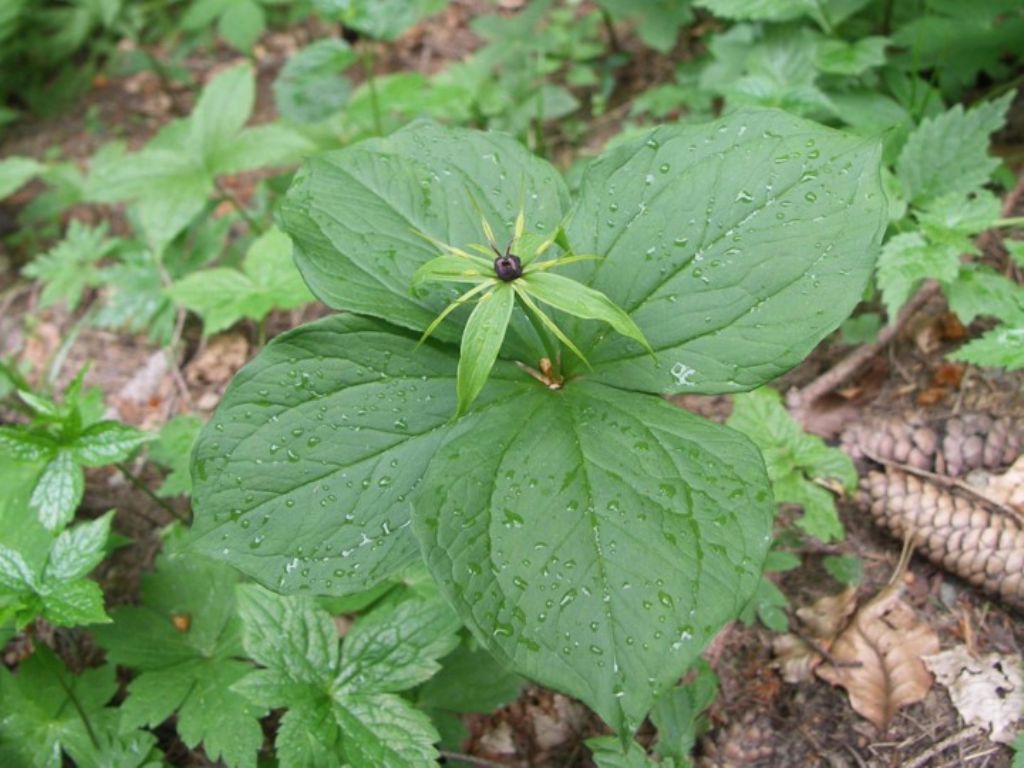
(106, 442)
(73, 603)
(339, 708)
(396, 646)
(16, 171)
(481, 342)
(26, 445)
(310, 86)
(58, 491)
(906, 260)
(561, 524)
(190, 670)
(354, 223)
(949, 153)
(324, 503)
(794, 460)
(728, 294)
(289, 635)
(68, 268)
(78, 550)
(385, 730)
(1002, 347)
(307, 735)
(979, 290)
(15, 573)
(37, 715)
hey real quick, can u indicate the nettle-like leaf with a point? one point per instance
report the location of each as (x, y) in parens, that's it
(50, 582)
(342, 704)
(42, 707)
(69, 267)
(185, 643)
(173, 178)
(59, 446)
(591, 535)
(268, 280)
(949, 152)
(797, 462)
(16, 171)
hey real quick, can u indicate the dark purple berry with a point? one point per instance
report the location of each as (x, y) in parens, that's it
(508, 267)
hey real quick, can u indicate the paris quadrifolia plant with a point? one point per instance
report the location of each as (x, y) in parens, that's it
(592, 535)
(517, 272)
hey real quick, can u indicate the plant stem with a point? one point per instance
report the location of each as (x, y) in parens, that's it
(609, 28)
(1016, 221)
(261, 333)
(61, 356)
(230, 196)
(471, 759)
(78, 708)
(369, 67)
(134, 480)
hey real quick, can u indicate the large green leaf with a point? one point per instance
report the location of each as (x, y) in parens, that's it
(736, 246)
(353, 214)
(595, 540)
(302, 478)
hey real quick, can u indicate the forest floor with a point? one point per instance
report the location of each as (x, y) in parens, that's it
(758, 717)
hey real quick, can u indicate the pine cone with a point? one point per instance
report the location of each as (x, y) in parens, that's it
(747, 742)
(977, 541)
(954, 447)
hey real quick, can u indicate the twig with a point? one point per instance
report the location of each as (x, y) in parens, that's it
(472, 760)
(799, 399)
(820, 650)
(130, 476)
(230, 196)
(937, 749)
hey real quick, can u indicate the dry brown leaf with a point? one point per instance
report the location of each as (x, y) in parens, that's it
(224, 354)
(986, 690)
(877, 658)
(796, 655)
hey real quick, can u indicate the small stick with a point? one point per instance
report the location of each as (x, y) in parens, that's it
(471, 759)
(937, 749)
